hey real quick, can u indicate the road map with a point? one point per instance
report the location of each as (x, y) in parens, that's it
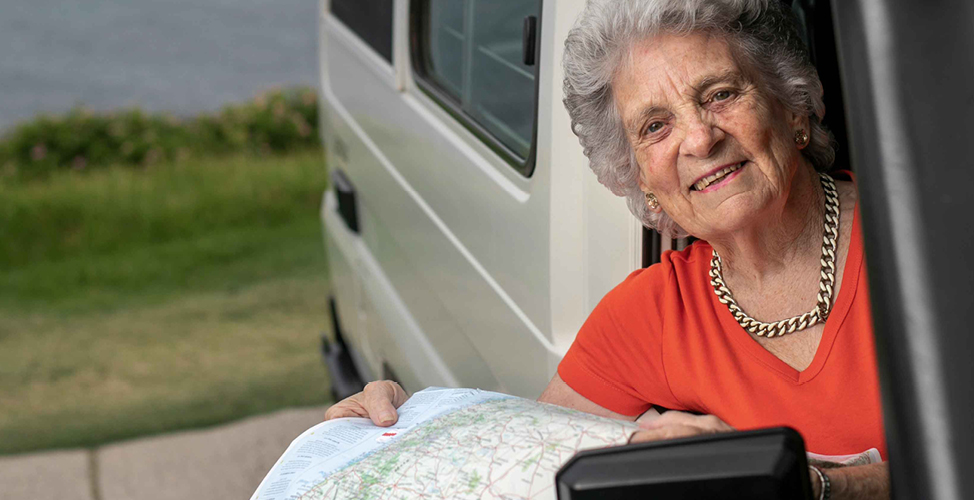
(448, 443)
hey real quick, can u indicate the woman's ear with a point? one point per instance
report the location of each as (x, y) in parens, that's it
(799, 122)
(651, 202)
(800, 128)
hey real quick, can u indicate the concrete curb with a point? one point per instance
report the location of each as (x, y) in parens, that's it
(52, 475)
(225, 462)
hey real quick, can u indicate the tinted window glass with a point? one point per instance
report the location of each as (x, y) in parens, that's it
(369, 19)
(473, 51)
(446, 41)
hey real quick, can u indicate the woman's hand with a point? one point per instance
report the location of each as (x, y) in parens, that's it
(377, 401)
(678, 424)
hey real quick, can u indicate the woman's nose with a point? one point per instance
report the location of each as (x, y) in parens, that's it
(701, 136)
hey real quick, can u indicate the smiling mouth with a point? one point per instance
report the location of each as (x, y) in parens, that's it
(716, 176)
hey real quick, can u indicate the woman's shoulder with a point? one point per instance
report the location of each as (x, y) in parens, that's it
(666, 276)
(694, 255)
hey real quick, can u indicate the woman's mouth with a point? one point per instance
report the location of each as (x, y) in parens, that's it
(716, 179)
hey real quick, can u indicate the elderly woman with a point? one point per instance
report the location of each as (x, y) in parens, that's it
(706, 115)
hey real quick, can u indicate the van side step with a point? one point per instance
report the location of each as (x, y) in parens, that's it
(345, 379)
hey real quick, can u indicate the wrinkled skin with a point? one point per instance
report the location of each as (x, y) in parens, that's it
(378, 402)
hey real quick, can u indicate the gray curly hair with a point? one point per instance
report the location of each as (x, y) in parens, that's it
(763, 33)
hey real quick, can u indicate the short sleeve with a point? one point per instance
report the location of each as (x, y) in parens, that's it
(616, 358)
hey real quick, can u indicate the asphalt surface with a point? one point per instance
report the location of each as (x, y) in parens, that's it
(219, 463)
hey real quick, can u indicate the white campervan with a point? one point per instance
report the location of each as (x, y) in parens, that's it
(466, 237)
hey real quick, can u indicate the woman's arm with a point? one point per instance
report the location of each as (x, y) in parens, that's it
(559, 393)
(863, 482)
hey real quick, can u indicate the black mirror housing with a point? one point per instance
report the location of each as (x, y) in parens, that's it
(766, 464)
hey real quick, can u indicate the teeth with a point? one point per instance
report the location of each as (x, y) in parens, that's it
(710, 179)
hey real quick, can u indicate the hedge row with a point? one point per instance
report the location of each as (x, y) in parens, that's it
(273, 122)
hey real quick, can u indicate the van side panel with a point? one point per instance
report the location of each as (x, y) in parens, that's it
(387, 333)
(496, 271)
(595, 242)
(427, 205)
(347, 297)
(372, 181)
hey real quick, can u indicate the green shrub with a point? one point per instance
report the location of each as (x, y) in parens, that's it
(115, 208)
(274, 122)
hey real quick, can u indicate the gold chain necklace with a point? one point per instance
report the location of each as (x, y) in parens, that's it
(821, 311)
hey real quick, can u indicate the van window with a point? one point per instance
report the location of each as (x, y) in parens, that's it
(470, 55)
(371, 20)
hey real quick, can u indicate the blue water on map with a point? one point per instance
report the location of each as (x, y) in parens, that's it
(182, 56)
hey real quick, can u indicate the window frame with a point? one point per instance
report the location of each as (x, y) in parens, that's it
(419, 16)
(391, 59)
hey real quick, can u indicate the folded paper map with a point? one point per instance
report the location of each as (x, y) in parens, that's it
(448, 443)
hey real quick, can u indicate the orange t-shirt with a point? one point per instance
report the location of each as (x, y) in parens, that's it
(661, 337)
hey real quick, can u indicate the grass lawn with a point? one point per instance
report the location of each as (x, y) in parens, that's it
(197, 299)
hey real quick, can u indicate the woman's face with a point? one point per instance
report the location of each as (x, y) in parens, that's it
(715, 150)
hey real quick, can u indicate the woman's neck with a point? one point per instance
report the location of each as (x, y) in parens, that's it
(789, 236)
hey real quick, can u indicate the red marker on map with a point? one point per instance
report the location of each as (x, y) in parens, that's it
(386, 436)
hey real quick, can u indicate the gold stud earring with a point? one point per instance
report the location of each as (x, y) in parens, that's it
(801, 138)
(651, 201)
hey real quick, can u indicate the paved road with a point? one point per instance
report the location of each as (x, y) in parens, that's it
(220, 463)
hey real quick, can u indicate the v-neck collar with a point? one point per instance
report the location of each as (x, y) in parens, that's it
(840, 309)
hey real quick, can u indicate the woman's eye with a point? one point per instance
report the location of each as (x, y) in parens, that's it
(722, 95)
(654, 127)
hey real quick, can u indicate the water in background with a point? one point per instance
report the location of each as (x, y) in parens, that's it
(183, 56)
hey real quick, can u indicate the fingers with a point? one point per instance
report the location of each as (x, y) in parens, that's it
(378, 401)
(678, 424)
(671, 417)
(348, 407)
(381, 398)
(663, 433)
(706, 423)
